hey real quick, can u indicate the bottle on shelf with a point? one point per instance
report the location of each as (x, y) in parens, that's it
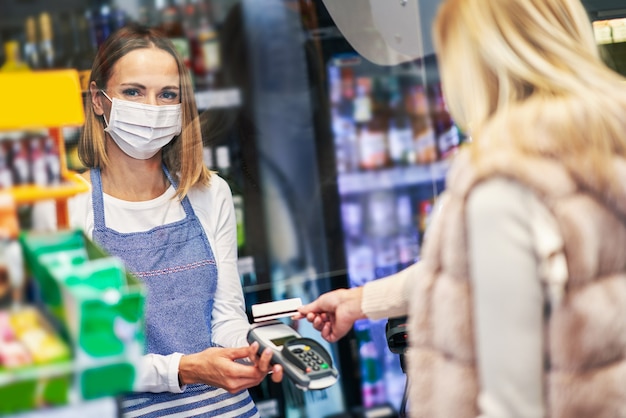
(83, 49)
(13, 58)
(425, 212)
(190, 16)
(71, 134)
(20, 159)
(102, 23)
(423, 133)
(207, 157)
(247, 275)
(12, 271)
(47, 45)
(63, 42)
(400, 134)
(359, 251)
(342, 95)
(345, 141)
(408, 240)
(31, 51)
(378, 125)
(6, 173)
(334, 85)
(117, 18)
(37, 160)
(209, 45)
(92, 22)
(224, 168)
(52, 158)
(372, 369)
(346, 99)
(371, 119)
(382, 228)
(446, 132)
(172, 26)
(362, 102)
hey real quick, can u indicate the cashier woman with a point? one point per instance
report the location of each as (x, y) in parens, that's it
(154, 204)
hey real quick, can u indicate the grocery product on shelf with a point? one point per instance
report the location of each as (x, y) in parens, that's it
(34, 362)
(41, 103)
(13, 58)
(71, 317)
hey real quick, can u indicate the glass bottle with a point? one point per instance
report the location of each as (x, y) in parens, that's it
(359, 251)
(171, 25)
(423, 133)
(31, 52)
(13, 58)
(209, 45)
(47, 48)
(223, 163)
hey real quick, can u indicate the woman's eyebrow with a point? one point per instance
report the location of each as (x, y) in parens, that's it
(139, 85)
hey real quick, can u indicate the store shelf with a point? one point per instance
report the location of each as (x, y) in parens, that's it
(73, 184)
(40, 99)
(366, 181)
(49, 100)
(214, 99)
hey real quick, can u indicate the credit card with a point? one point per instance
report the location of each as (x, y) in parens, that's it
(273, 310)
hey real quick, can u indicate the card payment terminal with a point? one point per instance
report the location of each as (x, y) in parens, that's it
(306, 362)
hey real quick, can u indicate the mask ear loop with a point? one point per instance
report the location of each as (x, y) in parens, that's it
(106, 95)
(103, 115)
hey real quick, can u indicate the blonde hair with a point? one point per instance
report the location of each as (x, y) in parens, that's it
(183, 155)
(528, 74)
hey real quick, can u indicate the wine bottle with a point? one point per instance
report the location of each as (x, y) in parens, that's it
(171, 25)
(31, 52)
(82, 51)
(224, 168)
(46, 44)
(209, 43)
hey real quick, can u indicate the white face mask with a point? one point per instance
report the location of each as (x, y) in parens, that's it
(141, 130)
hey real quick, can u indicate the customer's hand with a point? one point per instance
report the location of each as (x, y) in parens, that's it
(218, 367)
(334, 313)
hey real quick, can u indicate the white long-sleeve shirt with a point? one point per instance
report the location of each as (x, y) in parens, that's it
(513, 240)
(214, 208)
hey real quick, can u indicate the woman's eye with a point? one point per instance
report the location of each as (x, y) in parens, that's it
(170, 95)
(131, 92)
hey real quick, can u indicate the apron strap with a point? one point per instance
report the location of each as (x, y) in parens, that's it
(96, 198)
(185, 202)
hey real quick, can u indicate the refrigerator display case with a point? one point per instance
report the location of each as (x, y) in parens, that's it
(393, 139)
(352, 155)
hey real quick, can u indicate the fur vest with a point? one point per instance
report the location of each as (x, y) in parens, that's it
(584, 335)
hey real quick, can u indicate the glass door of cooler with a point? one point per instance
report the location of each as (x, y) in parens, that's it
(392, 140)
(334, 160)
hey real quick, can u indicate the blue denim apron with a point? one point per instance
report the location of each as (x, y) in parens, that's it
(177, 265)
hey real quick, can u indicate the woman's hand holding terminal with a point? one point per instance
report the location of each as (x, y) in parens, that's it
(217, 367)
